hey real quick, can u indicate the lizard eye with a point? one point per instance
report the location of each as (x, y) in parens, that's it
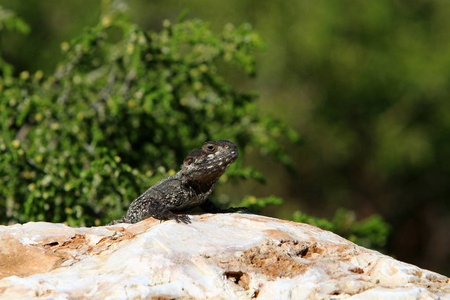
(189, 161)
(210, 148)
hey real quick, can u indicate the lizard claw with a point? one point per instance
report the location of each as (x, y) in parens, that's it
(183, 219)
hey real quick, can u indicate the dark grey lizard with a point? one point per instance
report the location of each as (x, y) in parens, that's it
(188, 188)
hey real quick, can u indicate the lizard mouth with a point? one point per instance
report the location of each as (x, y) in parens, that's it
(232, 157)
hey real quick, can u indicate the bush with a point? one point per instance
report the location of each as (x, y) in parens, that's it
(371, 232)
(121, 112)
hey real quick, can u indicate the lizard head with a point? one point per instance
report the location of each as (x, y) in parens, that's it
(209, 162)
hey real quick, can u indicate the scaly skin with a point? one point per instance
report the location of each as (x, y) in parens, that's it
(188, 188)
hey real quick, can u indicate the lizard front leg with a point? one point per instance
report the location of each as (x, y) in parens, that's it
(161, 212)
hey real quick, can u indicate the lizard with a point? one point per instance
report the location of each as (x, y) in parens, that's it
(188, 188)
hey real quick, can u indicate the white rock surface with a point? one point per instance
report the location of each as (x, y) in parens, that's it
(226, 256)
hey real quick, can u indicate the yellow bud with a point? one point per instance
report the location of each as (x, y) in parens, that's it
(106, 21)
(67, 187)
(24, 75)
(38, 117)
(65, 46)
(198, 85)
(39, 74)
(16, 144)
(131, 103)
(31, 186)
(130, 48)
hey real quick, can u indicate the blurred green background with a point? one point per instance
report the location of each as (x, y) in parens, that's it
(364, 83)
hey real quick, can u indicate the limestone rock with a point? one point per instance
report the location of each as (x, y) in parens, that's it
(224, 256)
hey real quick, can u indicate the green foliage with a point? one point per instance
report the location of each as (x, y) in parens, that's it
(119, 113)
(255, 205)
(9, 20)
(371, 232)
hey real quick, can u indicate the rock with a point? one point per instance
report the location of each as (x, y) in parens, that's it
(224, 256)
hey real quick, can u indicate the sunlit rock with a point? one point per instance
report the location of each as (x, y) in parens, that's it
(224, 256)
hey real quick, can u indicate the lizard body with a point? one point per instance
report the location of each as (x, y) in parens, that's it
(188, 188)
